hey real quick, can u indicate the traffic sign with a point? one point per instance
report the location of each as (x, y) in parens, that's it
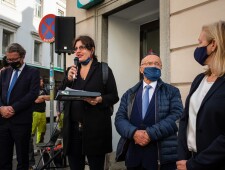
(47, 28)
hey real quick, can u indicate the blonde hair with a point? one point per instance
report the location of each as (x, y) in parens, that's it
(216, 32)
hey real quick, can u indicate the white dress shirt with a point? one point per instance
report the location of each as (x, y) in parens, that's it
(195, 103)
(151, 90)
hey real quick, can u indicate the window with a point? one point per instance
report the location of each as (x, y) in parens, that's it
(6, 38)
(60, 13)
(149, 39)
(9, 1)
(38, 8)
(149, 34)
(7, 34)
(37, 51)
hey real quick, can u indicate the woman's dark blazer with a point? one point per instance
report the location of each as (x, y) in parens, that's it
(210, 129)
(97, 130)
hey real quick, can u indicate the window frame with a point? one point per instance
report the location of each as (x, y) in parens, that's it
(8, 27)
(38, 5)
(37, 39)
(9, 2)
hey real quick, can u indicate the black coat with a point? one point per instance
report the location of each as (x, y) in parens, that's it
(210, 129)
(97, 130)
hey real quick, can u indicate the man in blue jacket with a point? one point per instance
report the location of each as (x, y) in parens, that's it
(147, 117)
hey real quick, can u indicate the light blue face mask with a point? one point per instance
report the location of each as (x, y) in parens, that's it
(152, 73)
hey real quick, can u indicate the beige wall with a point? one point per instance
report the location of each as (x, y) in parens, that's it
(123, 59)
(186, 20)
(90, 21)
(180, 26)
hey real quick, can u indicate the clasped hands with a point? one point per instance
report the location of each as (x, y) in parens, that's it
(7, 111)
(141, 137)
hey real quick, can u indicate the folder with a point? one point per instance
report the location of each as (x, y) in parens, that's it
(71, 94)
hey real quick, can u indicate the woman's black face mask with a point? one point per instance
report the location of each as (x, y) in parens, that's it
(201, 55)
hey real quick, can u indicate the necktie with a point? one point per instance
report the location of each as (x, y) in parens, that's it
(145, 100)
(15, 76)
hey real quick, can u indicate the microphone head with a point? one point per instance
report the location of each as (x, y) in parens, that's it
(76, 61)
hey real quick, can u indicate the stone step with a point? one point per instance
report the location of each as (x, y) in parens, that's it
(111, 163)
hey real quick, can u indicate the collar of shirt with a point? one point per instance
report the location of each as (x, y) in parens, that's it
(20, 69)
(152, 84)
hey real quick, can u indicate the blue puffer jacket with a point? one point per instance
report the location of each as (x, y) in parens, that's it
(168, 108)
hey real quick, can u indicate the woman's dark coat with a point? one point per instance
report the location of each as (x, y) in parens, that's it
(97, 127)
(210, 129)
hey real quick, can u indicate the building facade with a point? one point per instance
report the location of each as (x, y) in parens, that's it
(19, 22)
(125, 30)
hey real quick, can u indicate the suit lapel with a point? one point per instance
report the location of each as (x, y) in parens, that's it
(219, 82)
(150, 107)
(195, 86)
(139, 100)
(20, 75)
(91, 71)
(8, 78)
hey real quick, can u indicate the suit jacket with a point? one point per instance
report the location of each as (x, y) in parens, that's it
(210, 129)
(137, 155)
(23, 95)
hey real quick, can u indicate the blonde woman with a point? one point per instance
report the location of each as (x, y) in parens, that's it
(202, 131)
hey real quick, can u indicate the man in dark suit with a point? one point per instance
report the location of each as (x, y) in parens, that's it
(19, 87)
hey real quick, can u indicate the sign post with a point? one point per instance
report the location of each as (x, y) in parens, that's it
(47, 34)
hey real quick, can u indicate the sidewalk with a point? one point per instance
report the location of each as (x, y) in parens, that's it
(110, 158)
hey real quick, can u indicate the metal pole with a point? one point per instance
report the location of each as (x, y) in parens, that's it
(52, 89)
(64, 62)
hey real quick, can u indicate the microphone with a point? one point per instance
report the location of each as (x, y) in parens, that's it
(76, 61)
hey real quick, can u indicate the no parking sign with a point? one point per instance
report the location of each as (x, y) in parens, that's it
(47, 28)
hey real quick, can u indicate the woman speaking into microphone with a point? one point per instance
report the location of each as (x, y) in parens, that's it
(87, 122)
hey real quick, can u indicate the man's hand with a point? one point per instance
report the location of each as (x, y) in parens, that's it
(181, 165)
(42, 98)
(7, 111)
(39, 100)
(141, 137)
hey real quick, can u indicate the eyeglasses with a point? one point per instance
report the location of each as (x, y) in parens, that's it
(151, 64)
(12, 60)
(82, 47)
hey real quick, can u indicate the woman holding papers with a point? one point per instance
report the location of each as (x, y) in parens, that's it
(87, 122)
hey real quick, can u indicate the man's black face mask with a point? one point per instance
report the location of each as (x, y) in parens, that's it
(15, 65)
